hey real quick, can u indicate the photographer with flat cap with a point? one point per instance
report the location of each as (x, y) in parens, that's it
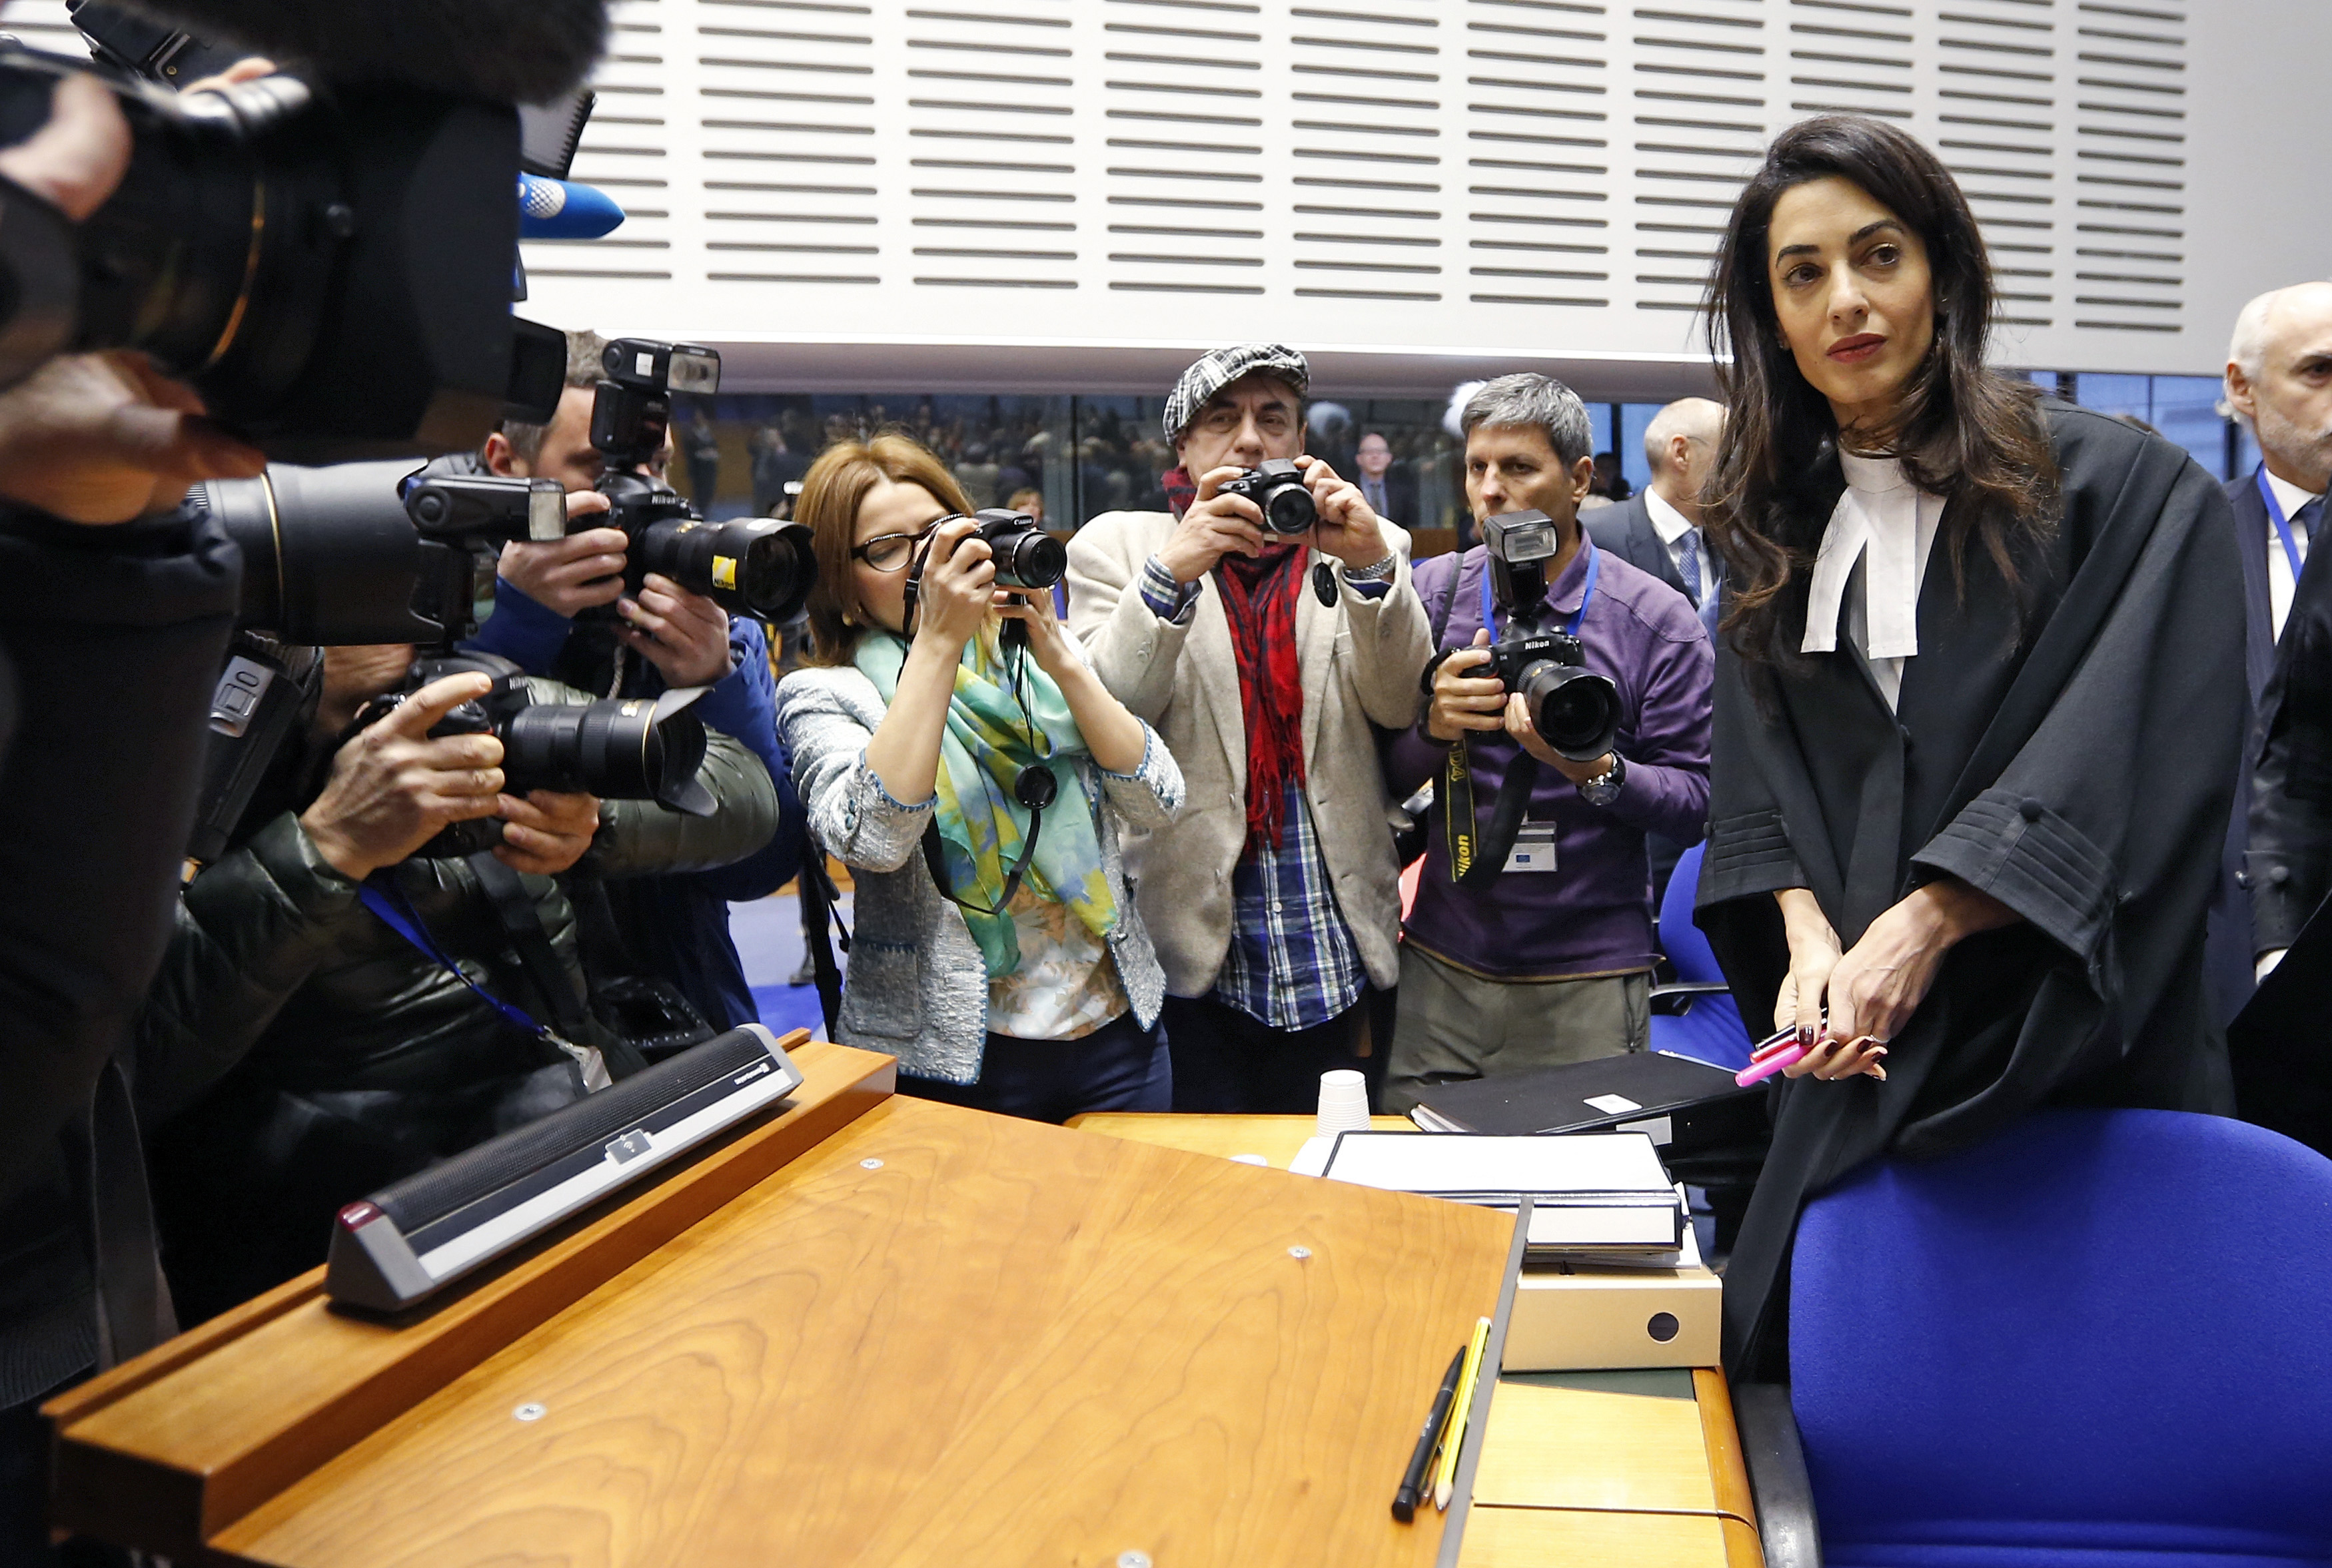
(1263, 642)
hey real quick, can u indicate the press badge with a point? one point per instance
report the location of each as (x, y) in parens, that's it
(1533, 848)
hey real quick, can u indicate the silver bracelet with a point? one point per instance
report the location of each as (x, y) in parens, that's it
(1375, 572)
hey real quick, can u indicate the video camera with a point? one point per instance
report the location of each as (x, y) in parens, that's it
(753, 566)
(330, 267)
(1574, 710)
(1278, 487)
(333, 557)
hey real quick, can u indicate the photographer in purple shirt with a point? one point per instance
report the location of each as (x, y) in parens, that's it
(1548, 959)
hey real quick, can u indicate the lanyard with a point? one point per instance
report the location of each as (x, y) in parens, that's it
(1586, 595)
(2282, 528)
(396, 912)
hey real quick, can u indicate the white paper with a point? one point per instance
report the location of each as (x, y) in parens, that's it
(1566, 1163)
(1613, 1103)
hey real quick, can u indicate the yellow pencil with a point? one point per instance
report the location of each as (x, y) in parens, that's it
(1445, 1479)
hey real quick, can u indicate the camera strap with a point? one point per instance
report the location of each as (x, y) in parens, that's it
(395, 910)
(935, 858)
(1476, 857)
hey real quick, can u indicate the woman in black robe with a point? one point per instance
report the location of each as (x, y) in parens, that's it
(1979, 703)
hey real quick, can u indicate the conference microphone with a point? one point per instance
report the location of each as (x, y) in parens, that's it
(550, 209)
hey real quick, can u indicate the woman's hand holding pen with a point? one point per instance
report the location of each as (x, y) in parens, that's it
(1873, 988)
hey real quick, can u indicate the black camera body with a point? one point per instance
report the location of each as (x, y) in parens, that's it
(1575, 711)
(372, 552)
(629, 749)
(751, 566)
(1027, 556)
(1278, 487)
(332, 269)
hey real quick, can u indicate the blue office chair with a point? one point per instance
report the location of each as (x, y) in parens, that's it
(1693, 1015)
(2102, 1338)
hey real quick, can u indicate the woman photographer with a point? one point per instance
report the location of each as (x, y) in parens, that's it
(1979, 706)
(948, 726)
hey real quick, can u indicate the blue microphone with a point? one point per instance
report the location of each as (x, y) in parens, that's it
(552, 209)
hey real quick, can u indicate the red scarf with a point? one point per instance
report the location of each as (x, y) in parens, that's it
(1259, 600)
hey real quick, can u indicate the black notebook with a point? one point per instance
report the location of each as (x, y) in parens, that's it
(1700, 1103)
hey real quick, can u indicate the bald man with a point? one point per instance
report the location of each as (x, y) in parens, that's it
(2278, 386)
(1658, 530)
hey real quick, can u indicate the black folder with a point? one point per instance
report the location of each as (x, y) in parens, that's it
(1704, 1107)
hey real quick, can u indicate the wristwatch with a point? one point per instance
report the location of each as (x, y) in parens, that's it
(1375, 572)
(1604, 787)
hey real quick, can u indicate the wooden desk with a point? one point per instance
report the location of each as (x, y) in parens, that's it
(1634, 1469)
(865, 1332)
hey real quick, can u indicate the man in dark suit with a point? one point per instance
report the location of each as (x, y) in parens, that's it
(1658, 530)
(2279, 383)
(1391, 491)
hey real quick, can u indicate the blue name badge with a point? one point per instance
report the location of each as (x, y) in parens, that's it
(1533, 848)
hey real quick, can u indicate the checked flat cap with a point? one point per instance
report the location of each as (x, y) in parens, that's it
(1221, 366)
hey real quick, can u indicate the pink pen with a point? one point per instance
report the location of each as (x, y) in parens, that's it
(1760, 1066)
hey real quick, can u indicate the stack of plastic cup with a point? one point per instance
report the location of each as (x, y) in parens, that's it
(1344, 1104)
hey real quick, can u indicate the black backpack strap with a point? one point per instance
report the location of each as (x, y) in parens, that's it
(819, 920)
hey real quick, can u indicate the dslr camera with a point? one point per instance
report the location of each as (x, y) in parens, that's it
(1027, 556)
(1278, 487)
(374, 552)
(1574, 710)
(330, 267)
(751, 566)
(643, 749)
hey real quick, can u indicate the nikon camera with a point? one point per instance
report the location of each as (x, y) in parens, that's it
(630, 748)
(751, 566)
(1574, 710)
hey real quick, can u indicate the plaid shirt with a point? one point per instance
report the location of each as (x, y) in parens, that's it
(1292, 964)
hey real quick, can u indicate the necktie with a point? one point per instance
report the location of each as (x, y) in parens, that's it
(2305, 520)
(1374, 494)
(1688, 568)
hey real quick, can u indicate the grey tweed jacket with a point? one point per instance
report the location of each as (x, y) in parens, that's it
(917, 986)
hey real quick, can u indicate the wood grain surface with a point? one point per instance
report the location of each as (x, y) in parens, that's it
(1277, 1139)
(1578, 1538)
(1006, 1343)
(1576, 1447)
(161, 1452)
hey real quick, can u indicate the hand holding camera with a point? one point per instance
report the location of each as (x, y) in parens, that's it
(958, 585)
(104, 438)
(580, 572)
(547, 833)
(393, 788)
(1223, 520)
(685, 635)
(1348, 528)
(1465, 695)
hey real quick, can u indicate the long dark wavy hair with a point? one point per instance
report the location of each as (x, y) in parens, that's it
(1961, 431)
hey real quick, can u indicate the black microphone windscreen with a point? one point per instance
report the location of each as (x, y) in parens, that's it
(508, 51)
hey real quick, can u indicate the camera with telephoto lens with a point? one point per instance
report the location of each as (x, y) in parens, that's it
(1574, 710)
(628, 749)
(333, 557)
(1278, 487)
(330, 267)
(752, 566)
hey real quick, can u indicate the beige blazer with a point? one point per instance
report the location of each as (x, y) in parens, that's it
(1360, 663)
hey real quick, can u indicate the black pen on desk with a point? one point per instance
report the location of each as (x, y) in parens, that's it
(1412, 1480)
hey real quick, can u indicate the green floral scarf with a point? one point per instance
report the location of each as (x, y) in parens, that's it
(986, 743)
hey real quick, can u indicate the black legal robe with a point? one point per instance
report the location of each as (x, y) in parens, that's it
(2079, 768)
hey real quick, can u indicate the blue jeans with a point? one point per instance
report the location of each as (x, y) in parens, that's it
(1119, 1067)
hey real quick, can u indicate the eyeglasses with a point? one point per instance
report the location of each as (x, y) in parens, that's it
(891, 552)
